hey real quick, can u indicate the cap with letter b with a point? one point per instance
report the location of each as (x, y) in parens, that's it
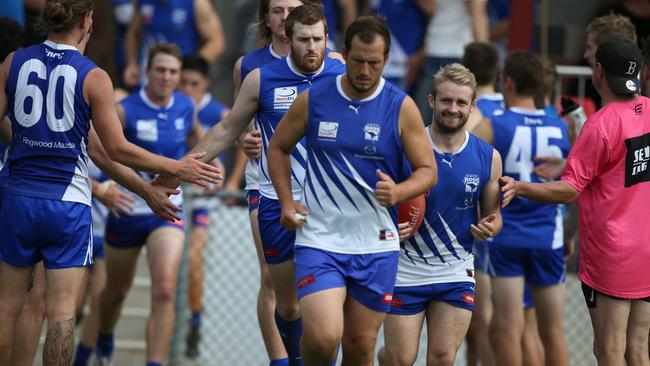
(621, 60)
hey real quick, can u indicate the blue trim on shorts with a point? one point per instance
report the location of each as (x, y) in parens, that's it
(277, 241)
(368, 278)
(132, 231)
(33, 229)
(540, 267)
(410, 300)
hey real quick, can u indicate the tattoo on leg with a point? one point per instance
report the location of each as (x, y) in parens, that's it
(59, 343)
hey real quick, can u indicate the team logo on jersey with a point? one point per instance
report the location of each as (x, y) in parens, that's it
(370, 149)
(147, 129)
(179, 16)
(180, 123)
(387, 234)
(283, 97)
(471, 182)
(328, 129)
(636, 160)
(371, 131)
(146, 12)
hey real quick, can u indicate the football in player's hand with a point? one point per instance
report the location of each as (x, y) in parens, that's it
(412, 211)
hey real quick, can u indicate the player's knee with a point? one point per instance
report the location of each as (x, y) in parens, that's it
(360, 344)
(288, 310)
(395, 358)
(164, 292)
(35, 305)
(318, 346)
(115, 293)
(441, 358)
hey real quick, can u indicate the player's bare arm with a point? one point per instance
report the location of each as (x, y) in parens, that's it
(223, 135)
(4, 71)
(290, 130)
(131, 42)
(551, 192)
(490, 222)
(210, 29)
(96, 89)
(419, 154)
(156, 197)
(5, 131)
(484, 131)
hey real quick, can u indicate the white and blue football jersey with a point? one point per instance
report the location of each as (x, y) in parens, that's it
(520, 136)
(441, 250)
(167, 21)
(50, 121)
(347, 141)
(280, 84)
(160, 130)
(250, 62)
(408, 26)
(491, 104)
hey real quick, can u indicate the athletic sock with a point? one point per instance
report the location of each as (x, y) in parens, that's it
(280, 362)
(105, 344)
(290, 331)
(196, 319)
(152, 363)
(82, 355)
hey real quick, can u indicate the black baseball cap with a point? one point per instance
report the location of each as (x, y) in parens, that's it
(622, 60)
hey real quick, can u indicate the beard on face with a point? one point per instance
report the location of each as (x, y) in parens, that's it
(445, 128)
(308, 65)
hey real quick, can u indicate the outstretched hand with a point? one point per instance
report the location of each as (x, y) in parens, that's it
(157, 198)
(192, 170)
(385, 189)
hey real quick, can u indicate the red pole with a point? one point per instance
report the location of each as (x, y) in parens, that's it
(521, 24)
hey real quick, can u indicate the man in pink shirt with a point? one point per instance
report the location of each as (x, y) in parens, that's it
(608, 172)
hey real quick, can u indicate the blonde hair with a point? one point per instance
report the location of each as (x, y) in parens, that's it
(457, 74)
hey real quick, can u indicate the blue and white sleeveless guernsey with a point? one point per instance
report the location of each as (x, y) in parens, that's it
(160, 130)
(250, 62)
(50, 121)
(170, 21)
(408, 26)
(347, 141)
(441, 250)
(490, 104)
(520, 135)
(209, 111)
(280, 84)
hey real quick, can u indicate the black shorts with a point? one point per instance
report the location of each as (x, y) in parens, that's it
(591, 296)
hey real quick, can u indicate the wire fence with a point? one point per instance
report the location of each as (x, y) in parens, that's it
(230, 332)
